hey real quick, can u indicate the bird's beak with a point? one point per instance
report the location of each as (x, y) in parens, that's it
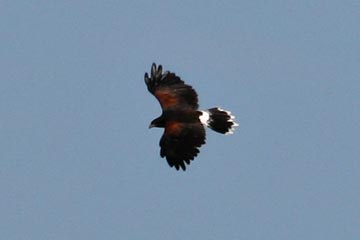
(151, 126)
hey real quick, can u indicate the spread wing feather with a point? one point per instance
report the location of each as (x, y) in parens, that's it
(170, 90)
(180, 143)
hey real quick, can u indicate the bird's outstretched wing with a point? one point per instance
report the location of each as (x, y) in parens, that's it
(170, 90)
(180, 142)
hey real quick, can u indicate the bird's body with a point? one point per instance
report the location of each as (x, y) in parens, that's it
(183, 123)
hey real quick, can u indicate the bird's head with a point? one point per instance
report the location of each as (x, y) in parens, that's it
(157, 122)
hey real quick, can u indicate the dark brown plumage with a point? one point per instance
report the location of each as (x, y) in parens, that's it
(184, 124)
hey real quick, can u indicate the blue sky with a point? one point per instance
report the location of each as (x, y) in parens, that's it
(77, 160)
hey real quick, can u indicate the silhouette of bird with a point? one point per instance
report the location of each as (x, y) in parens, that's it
(183, 123)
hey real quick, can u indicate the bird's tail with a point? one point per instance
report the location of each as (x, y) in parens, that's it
(219, 120)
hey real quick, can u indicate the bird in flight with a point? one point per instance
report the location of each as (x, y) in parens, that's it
(184, 124)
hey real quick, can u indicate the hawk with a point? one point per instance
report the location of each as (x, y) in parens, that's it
(184, 124)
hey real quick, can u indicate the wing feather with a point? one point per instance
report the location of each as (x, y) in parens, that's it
(170, 90)
(180, 142)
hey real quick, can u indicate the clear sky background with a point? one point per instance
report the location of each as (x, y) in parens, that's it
(77, 160)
